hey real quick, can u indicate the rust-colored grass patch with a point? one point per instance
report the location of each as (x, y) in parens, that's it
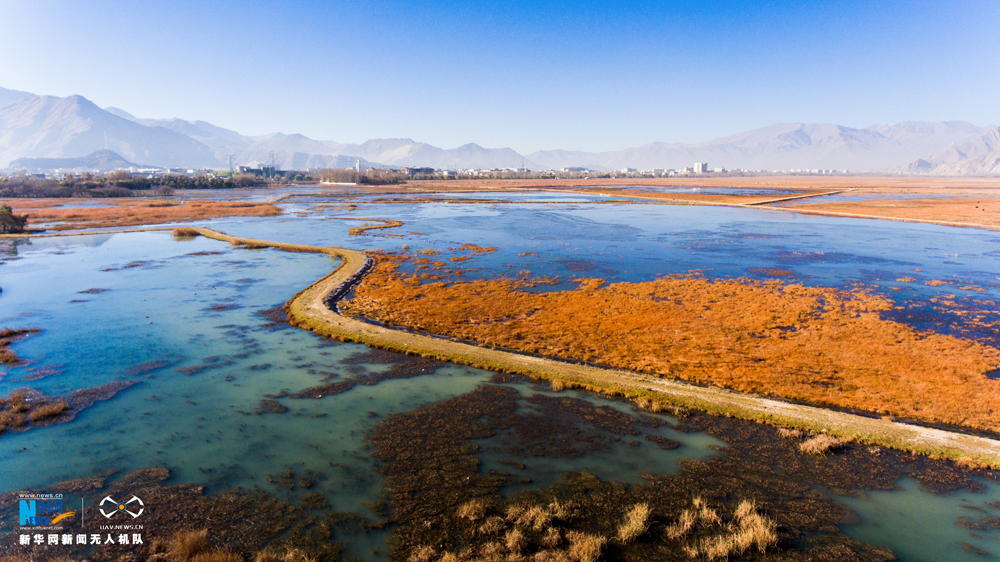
(135, 213)
(969, 210)
(820, 345)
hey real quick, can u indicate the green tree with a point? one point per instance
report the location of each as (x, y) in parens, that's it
(9, 222)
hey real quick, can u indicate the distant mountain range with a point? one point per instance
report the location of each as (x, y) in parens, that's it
(46, 127)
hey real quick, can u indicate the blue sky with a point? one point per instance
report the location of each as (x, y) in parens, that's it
(529, 75)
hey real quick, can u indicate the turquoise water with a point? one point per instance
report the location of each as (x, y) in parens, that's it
(918, 526)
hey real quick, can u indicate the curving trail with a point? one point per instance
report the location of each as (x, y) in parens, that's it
(314, 309)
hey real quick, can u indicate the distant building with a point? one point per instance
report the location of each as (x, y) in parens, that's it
(575, 169)
(701, 168)
(628, 170)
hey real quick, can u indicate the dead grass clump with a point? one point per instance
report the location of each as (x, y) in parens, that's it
(790, 433)
(48, 411)
(561, 511)
(821, 444)
(535, 517)
(584, 547)
(515, 541)
(472, 510)
(185, 545)
(635, 524)
(552, 538)
(185, 232)
(422, 554)
(747, 530)
(514, 512)
(220, 555)
(683, 526)
(492, 526)
(428, 252)
(558, 385)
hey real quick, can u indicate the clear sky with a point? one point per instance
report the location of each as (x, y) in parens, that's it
(526, 74)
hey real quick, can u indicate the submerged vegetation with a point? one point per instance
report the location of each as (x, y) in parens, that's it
(20, 409)
(822, 345)
(9, 336)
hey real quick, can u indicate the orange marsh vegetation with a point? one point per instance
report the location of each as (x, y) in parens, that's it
(975, 209)
(134, 213)
(820, 345)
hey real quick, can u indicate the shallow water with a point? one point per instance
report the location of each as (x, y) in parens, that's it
(918, 526)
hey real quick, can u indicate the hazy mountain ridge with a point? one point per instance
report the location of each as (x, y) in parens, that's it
(103, 160)
(785, 146)
(50, 127)
(980, 156)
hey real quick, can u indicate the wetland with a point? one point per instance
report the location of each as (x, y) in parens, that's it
(178, 379)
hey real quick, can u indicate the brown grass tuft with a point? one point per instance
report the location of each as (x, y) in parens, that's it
(422, 554)
(820, 444)
(790, 433)
(185, 232)
(515, 541)
(635, 524)
(48, 411)
(584, 547)
(492, 526)
(472, 510)
(220, 555)
(185, 545)
(552, 538)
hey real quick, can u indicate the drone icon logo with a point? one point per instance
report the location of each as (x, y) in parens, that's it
(121, 507)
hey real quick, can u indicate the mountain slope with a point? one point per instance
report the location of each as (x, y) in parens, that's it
(981, 156)
(784, 146)
(51, 127)
(101, 160)
(8, 97)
